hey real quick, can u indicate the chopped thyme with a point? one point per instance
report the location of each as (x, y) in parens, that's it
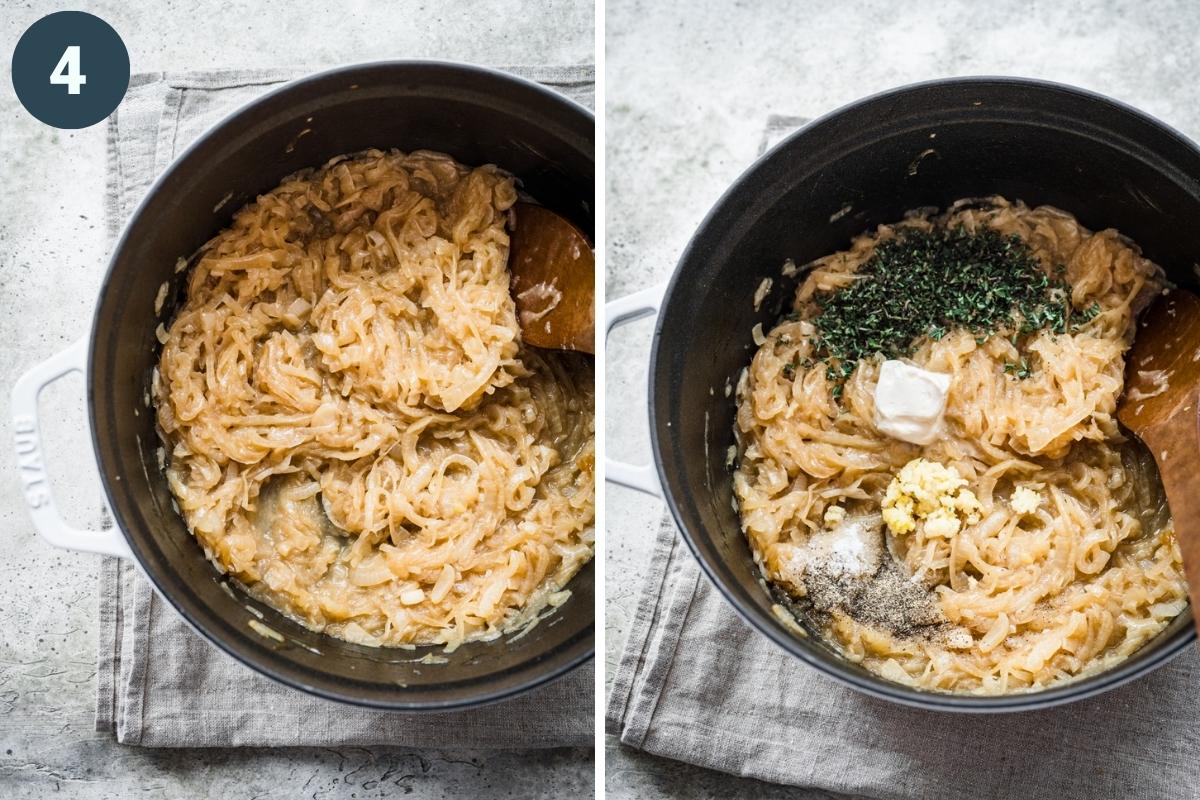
(1087, 315)
(927, 283)
(1021, 370)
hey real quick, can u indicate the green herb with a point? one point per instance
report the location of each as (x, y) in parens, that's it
(927, 283)
(1086, 316)
(1021, 370)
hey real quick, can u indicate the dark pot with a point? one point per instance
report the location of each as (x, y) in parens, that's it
(922, 145)
(478, 116)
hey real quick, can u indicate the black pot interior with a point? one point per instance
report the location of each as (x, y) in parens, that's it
(476, 115)
(867, 164)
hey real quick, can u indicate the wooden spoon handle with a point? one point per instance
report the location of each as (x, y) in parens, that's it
(1175, 444)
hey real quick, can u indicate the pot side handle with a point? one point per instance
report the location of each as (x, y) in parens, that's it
(642, 477)
(31, 467)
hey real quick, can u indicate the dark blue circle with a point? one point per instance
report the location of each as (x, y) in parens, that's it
(103, 62)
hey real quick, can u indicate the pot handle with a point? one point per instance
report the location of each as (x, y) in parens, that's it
(642, 477)
(32, 469)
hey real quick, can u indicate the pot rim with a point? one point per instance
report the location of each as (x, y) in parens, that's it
(871, 685)
(214, 637)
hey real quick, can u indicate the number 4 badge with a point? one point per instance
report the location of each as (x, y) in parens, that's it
(67, 72)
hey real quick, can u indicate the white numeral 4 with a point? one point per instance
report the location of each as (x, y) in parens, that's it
(67, 72)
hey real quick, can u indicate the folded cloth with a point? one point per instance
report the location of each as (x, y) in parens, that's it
(160, 684)
(697, 684)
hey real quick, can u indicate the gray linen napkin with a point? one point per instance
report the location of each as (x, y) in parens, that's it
(159, 683)
(697, 684)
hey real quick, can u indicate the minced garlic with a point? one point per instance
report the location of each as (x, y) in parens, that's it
(834, 515)
(1025, 500)
(929, 492)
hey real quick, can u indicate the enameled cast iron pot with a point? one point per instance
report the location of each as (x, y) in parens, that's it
(866, 164)
(478, 116)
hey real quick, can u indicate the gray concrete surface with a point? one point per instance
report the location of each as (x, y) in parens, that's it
(51, 228)
(689, 88)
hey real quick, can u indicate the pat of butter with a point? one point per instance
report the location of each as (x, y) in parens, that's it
(910, 402)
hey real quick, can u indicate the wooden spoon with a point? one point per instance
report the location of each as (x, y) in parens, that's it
(553, 280)
(1160, 406)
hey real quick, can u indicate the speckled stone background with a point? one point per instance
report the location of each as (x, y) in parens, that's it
(51, 225)
(689, 89)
